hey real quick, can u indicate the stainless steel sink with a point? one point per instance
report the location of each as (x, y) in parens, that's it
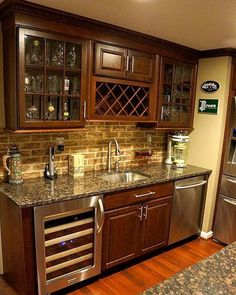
(124, 177)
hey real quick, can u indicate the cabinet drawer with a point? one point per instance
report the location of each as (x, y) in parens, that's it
(138, 195)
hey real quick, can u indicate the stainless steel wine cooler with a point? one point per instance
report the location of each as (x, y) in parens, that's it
(68, 239)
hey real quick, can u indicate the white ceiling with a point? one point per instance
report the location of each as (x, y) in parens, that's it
(200, 24)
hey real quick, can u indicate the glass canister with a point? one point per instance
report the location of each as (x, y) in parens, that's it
(12, 164)
(180, 151)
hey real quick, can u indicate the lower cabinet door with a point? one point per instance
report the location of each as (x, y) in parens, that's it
(155, 224)
(120, 235)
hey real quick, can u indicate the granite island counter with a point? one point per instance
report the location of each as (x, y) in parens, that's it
(215, 275)
(40, 191)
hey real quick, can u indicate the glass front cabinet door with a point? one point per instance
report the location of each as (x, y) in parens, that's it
(176, 96)
(52, 80)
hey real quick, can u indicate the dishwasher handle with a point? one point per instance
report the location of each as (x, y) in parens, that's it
(100, 226)
(191, 185)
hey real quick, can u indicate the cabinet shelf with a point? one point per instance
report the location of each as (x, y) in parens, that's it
(35, 93)
(72, 70)
(33, 66)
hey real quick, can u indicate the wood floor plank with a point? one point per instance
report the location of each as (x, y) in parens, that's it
(138, 277)
(145, 274)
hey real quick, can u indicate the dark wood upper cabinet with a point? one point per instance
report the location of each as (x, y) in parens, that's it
(50, 80)
(176, 94)
(140, 65)
(123, 87)
(110, 61)
(117, 62)
(117, 72)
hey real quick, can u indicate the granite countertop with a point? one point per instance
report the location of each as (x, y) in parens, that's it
(212, 276)
(39, 191)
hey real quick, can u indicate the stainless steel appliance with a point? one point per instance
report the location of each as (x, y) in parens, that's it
(229, 167)
(68, 239)
(224, 229)
(187, 209)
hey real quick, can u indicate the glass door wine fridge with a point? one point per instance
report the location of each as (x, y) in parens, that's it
(68, 242)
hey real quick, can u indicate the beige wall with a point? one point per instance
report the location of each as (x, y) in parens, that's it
(207, 138)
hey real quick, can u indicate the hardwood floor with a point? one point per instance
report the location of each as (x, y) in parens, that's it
(135, 278)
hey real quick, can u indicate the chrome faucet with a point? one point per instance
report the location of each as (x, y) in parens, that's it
(109, 153)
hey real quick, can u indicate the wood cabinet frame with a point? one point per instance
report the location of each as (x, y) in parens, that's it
(129, 231)
(15, 105)
(175, 124)
(15, 14)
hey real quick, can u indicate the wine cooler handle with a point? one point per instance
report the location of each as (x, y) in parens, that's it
(100, 226)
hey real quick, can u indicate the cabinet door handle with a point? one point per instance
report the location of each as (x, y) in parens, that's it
(84, 110)
(230, 202)
(192, 185)
(132, 64)
(144, 195)
(145, 214)
(127, 63)
(231, 180)
(162, 112)
(141, 213)
(100, 226)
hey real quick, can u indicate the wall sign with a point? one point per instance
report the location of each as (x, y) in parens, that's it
(210, 86)
(208, 106)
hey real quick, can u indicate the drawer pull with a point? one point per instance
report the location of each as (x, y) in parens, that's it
(231, 180)
(144, 195)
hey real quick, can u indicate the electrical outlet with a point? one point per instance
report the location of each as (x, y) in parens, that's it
(60, 144)
(149, 137)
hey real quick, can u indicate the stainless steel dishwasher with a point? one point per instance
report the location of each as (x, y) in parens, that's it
(68, 237)
(187, 209)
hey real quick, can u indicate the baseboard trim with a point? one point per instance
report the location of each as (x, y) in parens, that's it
(206, 235)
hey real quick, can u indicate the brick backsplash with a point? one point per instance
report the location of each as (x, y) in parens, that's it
(91, 141)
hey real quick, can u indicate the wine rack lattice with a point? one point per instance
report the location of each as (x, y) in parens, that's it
(121, 100)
